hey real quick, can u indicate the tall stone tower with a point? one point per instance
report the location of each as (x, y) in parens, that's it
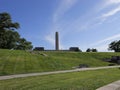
(56, 41)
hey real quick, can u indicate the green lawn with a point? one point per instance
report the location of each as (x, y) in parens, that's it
(16, 61)
(85, 80)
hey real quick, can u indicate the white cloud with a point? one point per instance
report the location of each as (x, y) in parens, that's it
(94, 20)
(63, 7)
(50, 39)
(109, 2)
(111, 13)
(106, 40)
(108, 12)
(79, 25)
(102, 45)
(90, 23)
(102, 48)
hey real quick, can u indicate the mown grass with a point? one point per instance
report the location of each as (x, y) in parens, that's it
(15, 61)
(85, 80)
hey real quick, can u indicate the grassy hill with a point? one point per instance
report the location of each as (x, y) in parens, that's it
(16, 61)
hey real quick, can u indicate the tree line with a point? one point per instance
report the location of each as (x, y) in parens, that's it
(9, 37)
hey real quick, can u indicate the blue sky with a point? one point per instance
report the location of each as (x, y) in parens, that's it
(80, 23)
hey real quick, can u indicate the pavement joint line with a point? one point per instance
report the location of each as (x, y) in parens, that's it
(54, 72)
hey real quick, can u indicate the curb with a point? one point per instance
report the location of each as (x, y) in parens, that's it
(111, 86)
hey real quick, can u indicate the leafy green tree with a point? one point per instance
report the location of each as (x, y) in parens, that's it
(88, 50)
(24, 45)
(91, 50)
(94, 50)
(6, 22)
(115, 45)
(9, 37)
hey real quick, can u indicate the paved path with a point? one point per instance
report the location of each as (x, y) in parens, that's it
(54, 72)
(111, 86)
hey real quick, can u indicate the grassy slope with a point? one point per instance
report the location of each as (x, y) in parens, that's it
(86, 80)
(14, 62)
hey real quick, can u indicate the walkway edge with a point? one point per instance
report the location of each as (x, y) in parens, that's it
(54, 72)
(112, 86)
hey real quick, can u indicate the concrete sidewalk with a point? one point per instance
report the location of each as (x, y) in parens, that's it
(111, 86)
(54, 72)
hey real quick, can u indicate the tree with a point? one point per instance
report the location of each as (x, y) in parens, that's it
(91, 50)
(6, 22)
(23, 44)
(9, 37)
(94, 50)
(115, 45)
(88, 50)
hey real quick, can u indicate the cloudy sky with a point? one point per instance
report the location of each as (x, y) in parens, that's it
(80, 23)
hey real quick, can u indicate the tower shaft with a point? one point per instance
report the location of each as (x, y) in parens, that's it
(56, 41)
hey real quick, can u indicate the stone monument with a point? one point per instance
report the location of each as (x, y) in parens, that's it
(56, 41)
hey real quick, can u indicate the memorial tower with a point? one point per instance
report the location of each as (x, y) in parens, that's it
(56, 41)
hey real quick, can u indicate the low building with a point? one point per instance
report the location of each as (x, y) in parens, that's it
(74, 49)
(38, 49)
